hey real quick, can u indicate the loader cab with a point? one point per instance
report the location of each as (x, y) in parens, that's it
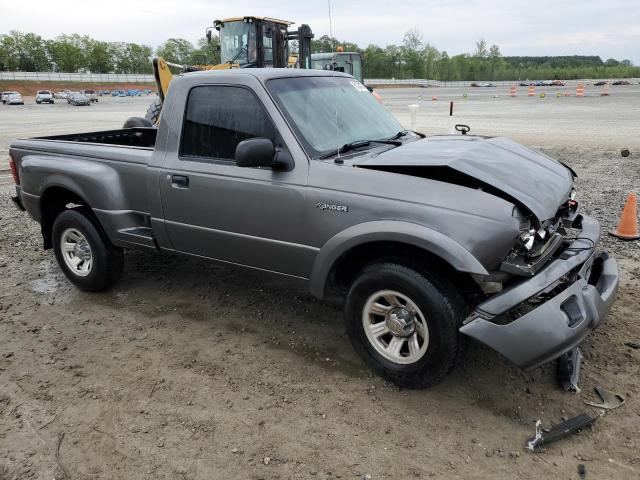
(339, 61)
(254, 42)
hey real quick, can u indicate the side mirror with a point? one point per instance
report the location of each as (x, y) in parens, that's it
(255, 152)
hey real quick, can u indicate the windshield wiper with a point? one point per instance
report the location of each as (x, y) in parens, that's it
(400, 134)
(347, 147)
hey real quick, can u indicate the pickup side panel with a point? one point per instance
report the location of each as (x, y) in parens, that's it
(113, 187)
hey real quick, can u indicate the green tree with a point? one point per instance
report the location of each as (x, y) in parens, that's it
(176, 50)
(98, 57)
(481, 49)
(67, 52)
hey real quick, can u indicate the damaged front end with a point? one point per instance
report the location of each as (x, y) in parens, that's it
(569, 291)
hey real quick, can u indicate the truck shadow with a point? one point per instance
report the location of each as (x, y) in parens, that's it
(285, 317)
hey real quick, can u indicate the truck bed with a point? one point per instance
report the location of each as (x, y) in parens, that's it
(126, 137)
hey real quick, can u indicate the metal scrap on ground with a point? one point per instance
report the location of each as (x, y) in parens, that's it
(609, 400)
(572, 425)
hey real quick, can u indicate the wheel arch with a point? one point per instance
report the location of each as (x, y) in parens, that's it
(345, 254)
(54, 200)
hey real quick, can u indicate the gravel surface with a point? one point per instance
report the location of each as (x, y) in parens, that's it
(189, 370)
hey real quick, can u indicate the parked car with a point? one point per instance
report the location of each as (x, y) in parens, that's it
(558, 83)
(78, 99)
(385, 218)
(482, 84)
(118, 93)
(91, 94)
(5, 96)
(71, 94)
(526, 84)
(104, 92)
(132, 92)
(15, 99)
(44, 96)
(621, 82)
(599, 83)
(60, 95)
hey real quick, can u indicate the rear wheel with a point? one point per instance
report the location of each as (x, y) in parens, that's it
(133, 122)
(404, 323)
(83, 251)
(153, 112)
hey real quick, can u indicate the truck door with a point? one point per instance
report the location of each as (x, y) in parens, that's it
(215, 209)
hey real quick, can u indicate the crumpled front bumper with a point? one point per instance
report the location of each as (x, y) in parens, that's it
(560, 322)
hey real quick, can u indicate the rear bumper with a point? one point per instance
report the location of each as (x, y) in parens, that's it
(560, 322)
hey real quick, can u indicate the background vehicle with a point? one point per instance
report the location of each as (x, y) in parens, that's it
(44, 96)
(78, 99)
(133, 92)
(621, 82)
(339, 61)
(302, 174)
(475, 84)
(91, 94)
(245, 42)
(61, 95)
(14, 99)
(600, 83)
(5, 96)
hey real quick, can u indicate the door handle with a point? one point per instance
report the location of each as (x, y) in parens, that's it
(180, 181)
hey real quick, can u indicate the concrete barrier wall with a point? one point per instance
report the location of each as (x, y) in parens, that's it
(114, 77)
(76, 77)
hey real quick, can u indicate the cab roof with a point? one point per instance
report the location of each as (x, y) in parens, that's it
(264, 74)
(254, 17)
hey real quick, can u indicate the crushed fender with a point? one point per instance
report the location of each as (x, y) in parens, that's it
(548, 435)
(609, 400)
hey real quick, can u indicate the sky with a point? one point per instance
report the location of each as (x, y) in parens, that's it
(608, 28)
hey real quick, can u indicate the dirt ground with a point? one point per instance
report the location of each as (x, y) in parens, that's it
(190, 370)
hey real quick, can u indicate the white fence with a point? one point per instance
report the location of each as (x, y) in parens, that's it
(499, 83)
(76, 77)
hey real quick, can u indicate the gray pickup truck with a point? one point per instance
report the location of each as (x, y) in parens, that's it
(303, 174)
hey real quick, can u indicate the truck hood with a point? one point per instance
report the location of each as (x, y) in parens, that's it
(536, 181)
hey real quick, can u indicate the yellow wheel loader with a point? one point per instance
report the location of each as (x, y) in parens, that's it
(245, 42)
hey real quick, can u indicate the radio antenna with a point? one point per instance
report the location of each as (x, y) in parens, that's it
(330, 25)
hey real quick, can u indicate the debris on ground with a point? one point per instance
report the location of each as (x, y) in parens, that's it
(609, 400)
(582, 471)
(634, 345)
(569, 370)
(625, 152)
(561, 430)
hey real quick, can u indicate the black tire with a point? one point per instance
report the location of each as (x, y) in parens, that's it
(443, 310)
(107, 260)
(133, 122)
(153, 112)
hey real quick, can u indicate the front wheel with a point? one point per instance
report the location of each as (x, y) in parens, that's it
(404, 323)
(83, 251)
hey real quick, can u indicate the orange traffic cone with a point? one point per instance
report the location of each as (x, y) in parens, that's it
(605, 90)
(580, 90)
(628, 226)
(531, 91)
(513, 91)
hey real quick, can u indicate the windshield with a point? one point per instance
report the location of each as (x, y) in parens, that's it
(238, 43)
(329, 112)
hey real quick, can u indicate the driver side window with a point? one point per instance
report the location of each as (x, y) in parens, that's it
(217, 119)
